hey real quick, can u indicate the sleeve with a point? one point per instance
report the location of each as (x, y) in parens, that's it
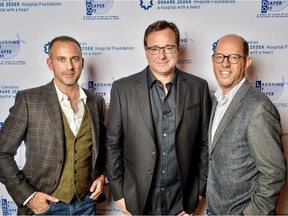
(12, 134)
(203, 166)
(264, 137)
(114, 146)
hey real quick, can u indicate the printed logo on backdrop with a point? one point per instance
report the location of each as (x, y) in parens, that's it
(146, 4)
(8, 91)
(100, 88)
(258, 48)
(12, 6)
(180, 4)
(9, 49)
(273, 9)
(273, 90)
(9, 207)
(97, 9)
(184, 42)
(92, 50)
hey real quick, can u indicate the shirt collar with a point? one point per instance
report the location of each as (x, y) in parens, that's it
(151, 78)
(222, 99)
(62, 96)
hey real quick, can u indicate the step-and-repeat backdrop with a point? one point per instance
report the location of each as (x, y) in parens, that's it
(111, 36)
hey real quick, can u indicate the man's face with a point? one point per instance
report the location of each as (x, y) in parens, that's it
(162, 63)
(227, 74)
(66, 63)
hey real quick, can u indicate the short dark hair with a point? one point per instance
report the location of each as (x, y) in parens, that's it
(63, 38)
(160, 25)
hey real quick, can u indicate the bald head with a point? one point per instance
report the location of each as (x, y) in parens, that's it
(237, 41)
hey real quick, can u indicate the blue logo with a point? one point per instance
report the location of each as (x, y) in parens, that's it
(8, 207)
(272, 89)
(146, 4)
(98, 6)
(46, 47)
(273, 6)
(1, 124)
(10, 48)
(100, 88)
(214, 46)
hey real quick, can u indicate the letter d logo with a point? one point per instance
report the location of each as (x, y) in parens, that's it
(264, 6)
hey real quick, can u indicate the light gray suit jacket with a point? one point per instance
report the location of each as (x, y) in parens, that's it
(247, 168)
(131, 143)
(36, 118)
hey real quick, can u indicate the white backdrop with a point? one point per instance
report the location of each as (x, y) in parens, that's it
(111, 36)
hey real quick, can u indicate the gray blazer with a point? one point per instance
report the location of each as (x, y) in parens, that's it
(36, 118)
(247, 168)
(131, 142)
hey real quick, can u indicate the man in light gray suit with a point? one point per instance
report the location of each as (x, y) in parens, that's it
(247, 168)
(62, 126)
(157, 132)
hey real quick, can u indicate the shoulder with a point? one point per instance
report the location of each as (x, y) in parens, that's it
(36, 92)
(259, 102)
(139, 76)
(191, 78)
(93, 97)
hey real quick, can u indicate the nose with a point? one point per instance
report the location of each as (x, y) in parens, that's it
(69, 65)
(226, 62)
(162, 53)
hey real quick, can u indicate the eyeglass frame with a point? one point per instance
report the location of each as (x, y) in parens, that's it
(159, 48)
(227, 56)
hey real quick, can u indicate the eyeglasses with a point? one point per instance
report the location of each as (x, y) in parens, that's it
(232, 58)
(156, 50)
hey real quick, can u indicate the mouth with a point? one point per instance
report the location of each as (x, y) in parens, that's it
(225, 73)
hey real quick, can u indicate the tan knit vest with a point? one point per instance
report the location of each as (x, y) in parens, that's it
(76, 174)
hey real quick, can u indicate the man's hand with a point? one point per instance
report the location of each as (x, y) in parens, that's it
(97, 187)
(122, 207)
(40, 204)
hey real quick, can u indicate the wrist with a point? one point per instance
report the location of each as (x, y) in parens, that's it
(31, 199)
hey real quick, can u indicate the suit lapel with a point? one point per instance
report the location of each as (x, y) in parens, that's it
(93, 112)
(180, 98)
(213, 109)
(231, 111)
(144, 101)
(53, 109)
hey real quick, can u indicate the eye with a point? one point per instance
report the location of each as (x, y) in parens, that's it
(61, 59)
(218, 57)
(169, 48)
(76, 59)
(234, 57)
(153, 49)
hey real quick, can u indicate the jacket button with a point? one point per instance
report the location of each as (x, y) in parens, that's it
(150, 172)
(153, 153)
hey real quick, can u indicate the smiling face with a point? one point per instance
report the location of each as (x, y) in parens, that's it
(229, 75)
(66, 62)
(162, 64)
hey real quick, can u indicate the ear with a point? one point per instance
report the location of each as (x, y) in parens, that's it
(82, 63)
(248, 62)
(49, 64)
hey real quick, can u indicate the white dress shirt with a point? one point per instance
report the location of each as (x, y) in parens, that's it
(74, 118)
(222, 105)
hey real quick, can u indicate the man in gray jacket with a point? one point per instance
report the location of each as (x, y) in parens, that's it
(247, 168)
